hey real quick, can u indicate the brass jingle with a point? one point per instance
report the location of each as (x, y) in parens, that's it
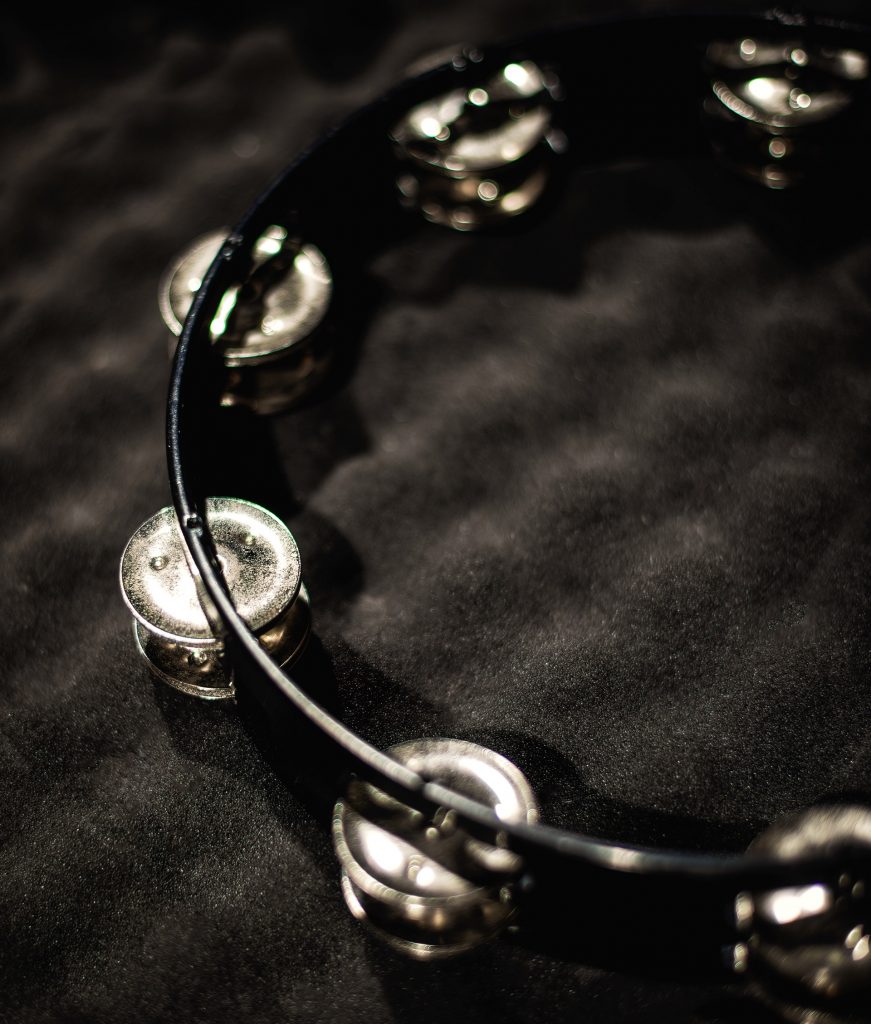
(808, 947)
(261, 564)
(425, 887)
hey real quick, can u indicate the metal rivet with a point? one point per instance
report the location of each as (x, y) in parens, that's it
(801, 940)
(260, 561)
(425, 886)
(266, 326)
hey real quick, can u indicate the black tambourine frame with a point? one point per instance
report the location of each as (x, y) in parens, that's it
(340, 195)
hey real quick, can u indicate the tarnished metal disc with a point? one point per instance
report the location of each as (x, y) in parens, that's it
(259, 558)
(182, 279)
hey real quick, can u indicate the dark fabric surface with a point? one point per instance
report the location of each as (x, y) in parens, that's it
(596, 495)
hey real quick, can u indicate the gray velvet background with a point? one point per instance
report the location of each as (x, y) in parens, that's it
(597, 496)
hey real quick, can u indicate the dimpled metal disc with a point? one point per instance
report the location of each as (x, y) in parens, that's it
(258, 555)
(426, 887)
(183, 278)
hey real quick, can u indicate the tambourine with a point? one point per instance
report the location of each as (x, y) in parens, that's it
(441, 843)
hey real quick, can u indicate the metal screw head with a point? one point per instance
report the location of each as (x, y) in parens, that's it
(424, 886)
(810, 945)
(261, 563)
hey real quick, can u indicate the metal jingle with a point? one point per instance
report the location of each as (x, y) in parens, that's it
(749, 52)
(481, 128)
(261, 564)
(776, 111)
(182, 279)
(475, 201)
(275, 387)
(425, 887)
(781, 102)
(808, 947)
(289, 292)
(775, 160)
(783, 84)
(266, 327)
